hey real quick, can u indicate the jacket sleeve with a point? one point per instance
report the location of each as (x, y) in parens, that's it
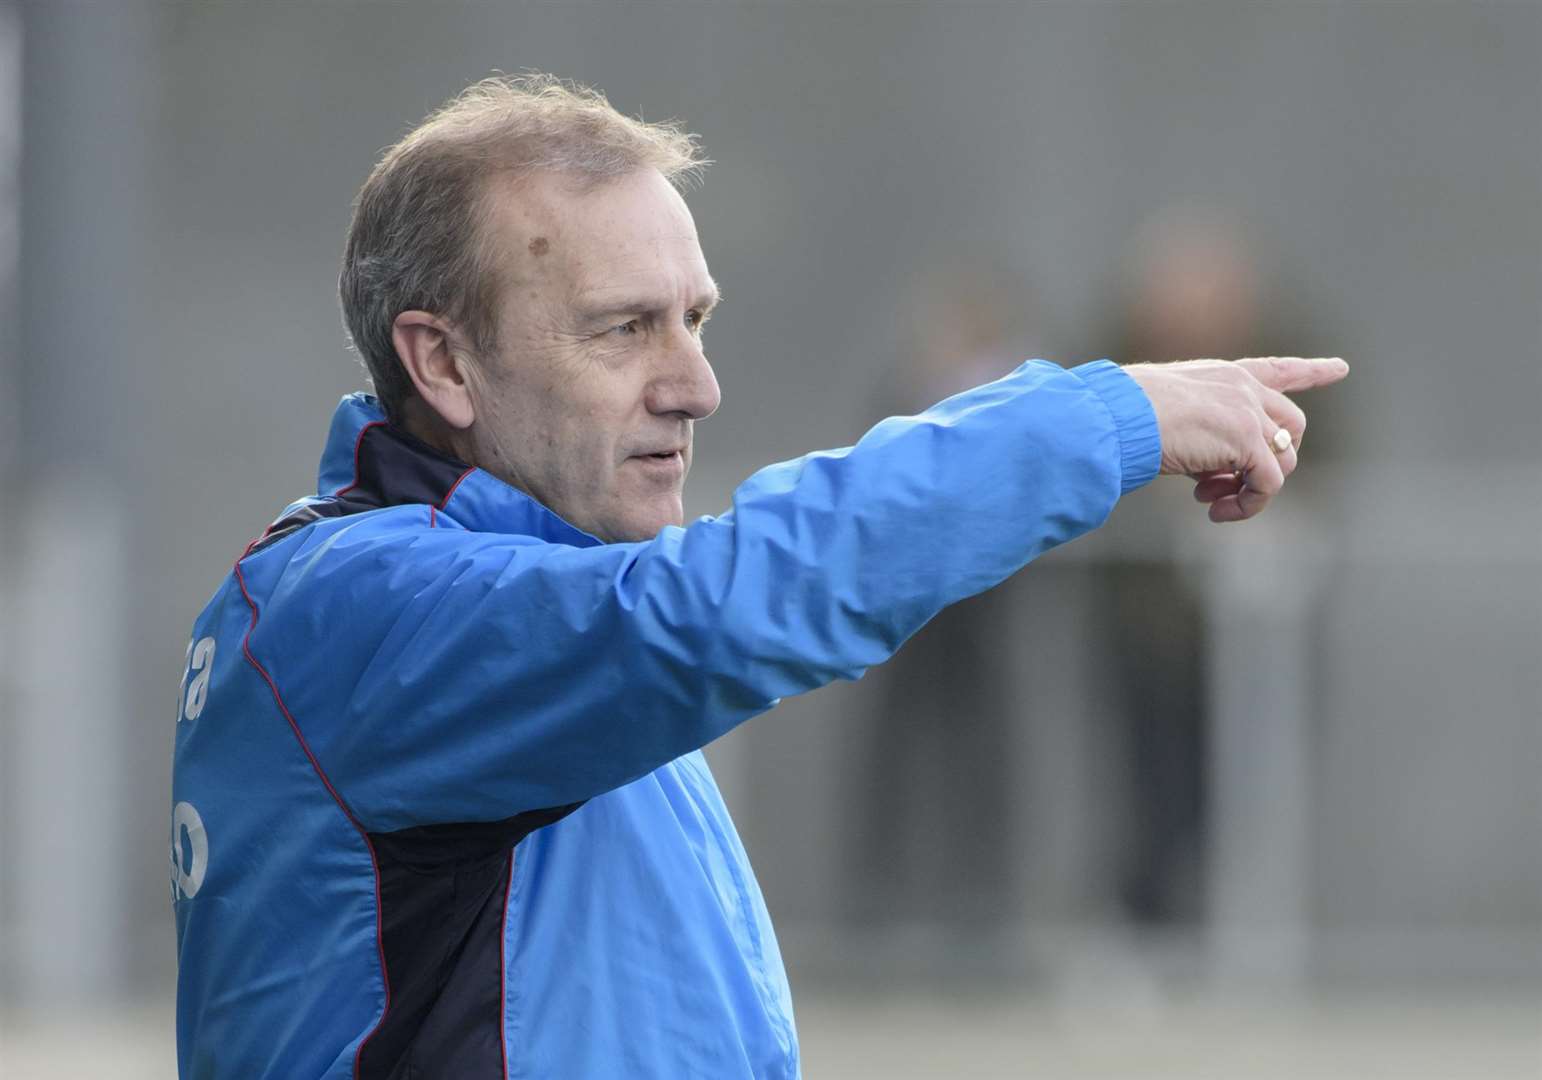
(441, 675)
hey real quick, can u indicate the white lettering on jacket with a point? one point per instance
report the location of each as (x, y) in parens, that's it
(200, 664)
(188, 867)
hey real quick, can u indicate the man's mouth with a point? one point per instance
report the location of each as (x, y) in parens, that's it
(664, 463)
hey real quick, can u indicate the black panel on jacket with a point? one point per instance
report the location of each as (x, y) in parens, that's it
(443, 888)
(442, 895)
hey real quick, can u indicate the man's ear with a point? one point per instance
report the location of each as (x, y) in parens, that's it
(423, 344)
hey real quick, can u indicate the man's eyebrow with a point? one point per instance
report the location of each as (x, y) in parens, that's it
(646, 303)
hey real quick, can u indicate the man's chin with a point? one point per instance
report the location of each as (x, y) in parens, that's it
(645, 525)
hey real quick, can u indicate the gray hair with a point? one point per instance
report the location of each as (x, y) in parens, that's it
(414, 242)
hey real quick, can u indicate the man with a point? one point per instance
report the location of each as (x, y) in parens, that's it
(439, 805)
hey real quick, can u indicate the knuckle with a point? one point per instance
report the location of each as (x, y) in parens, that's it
(1266, 479)
(1248, 424)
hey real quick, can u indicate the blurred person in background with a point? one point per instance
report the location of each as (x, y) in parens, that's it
(935, 765)
(1195, 283)
(439, 807)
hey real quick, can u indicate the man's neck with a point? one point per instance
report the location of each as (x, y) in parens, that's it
(425, 425)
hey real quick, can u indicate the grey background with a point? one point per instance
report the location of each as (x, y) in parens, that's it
(174, 350)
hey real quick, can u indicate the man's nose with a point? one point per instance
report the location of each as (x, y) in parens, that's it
(684, 383)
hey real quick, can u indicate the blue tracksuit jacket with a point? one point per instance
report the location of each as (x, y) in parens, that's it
(439, 808)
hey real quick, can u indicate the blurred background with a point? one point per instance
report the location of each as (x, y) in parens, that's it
(1178, 800)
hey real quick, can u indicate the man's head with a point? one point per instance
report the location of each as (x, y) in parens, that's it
(525, 284)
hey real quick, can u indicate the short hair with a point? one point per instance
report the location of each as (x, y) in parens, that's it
(415, 241)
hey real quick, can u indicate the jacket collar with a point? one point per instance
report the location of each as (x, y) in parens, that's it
(370, 463)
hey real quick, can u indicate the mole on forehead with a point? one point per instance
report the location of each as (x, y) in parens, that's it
(539, 246)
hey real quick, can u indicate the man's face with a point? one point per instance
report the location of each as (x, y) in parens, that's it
(600, 373)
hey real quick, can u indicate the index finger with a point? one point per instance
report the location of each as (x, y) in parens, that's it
(1289, 373)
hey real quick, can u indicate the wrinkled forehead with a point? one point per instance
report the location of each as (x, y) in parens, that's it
(569, 240)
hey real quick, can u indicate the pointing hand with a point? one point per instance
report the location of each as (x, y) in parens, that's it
(1221, 423)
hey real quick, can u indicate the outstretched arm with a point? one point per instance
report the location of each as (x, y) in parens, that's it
(441, 675)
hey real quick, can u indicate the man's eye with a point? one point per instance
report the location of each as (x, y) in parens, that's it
(695, 320)
(626, 329)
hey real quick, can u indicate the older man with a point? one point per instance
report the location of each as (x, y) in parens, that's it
(439, 806)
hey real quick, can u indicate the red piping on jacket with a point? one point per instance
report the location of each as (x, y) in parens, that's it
(432, 522)
(503, 972)
(358, 444)
(246, 648)
(294, 727)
